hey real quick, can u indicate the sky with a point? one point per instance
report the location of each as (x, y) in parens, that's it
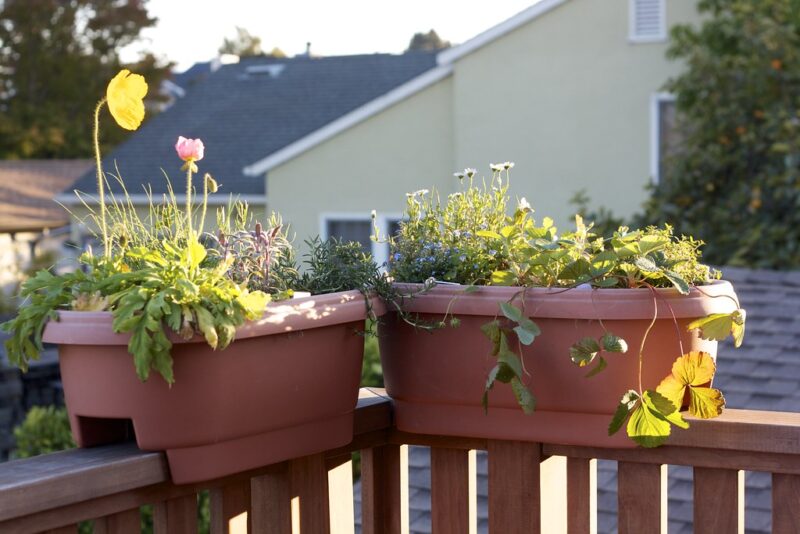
(191, 31)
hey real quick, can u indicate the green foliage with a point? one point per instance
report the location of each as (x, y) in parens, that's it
(54, 58)
(605, 222)
(735, 177)
(427, 41)
(45, 429)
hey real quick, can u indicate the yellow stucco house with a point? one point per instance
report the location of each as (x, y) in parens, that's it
(567, 89)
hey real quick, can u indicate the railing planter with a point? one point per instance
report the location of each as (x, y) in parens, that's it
(286, 387)
(435, 378)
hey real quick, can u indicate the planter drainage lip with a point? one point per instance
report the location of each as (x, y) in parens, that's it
(577, 303)
(95, 328)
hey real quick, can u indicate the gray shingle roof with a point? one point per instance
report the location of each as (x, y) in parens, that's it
(763, 374)
(243, 116)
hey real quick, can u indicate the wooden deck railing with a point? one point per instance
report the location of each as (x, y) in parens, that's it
(314, 494)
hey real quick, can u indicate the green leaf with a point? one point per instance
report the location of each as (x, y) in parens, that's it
(646, 426)
(492, 331)
(472, 289)
(194, 254)
(624, 408)
(650, 243)
(527, 331)
(612, 343)
(205, 322)
(525, 398)
(503, 278)
(604, 262)
(511, 311)
(508, 231)
(718, 326)
(579, 269)
(597, 369)
(678, 281)
(583, 352)
(646, 265)
(665, 408)
(509, 357)
(489, 234)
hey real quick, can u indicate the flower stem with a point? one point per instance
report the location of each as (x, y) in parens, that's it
(189, 165)
(101, 193)
(205, 203)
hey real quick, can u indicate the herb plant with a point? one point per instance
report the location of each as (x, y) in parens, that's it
(471, 240)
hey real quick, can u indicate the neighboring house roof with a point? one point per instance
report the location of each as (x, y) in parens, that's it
(444, 59)
(763, 374)
(253, 108)
(27, 188)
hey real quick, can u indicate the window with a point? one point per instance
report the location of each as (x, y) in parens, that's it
(647, 21)
(358, 227)
(664, 136)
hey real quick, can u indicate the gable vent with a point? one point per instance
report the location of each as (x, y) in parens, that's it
(648, 20)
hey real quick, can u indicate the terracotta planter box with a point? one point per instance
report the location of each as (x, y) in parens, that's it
(286, 387)
(437, 379)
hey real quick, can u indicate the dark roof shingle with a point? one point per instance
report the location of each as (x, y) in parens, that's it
(243, 116)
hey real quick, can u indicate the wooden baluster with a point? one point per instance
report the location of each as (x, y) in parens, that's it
(785, 499)
(176, 516)
(642, 498)
(453, 491)
(271, 498)
(581, 496)
(340, 494)
(309, 484)
(514, 500)
(71, 529)
(384, 490)
(718, 500)
(230, 509)
(127, 522)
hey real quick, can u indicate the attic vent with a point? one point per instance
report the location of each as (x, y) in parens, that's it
(272, 70)
(647, 20)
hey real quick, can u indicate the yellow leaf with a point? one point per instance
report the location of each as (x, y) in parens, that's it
(705, 403)
(125, 95)
(673, 389)
(694, 369)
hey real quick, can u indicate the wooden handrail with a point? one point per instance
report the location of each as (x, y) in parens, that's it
(111, 482)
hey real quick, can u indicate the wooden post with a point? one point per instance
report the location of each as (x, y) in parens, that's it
(453, 495)
(581, 496)
(270, 498)
(384, 490)
(718, 500)
(642, 497)
(128, 522)
(514, 500)
(340, 494)
(230, 509)
(176, 516)
(785, 499)
(309, 485)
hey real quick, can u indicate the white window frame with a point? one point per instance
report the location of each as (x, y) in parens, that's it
(662, 35)
(655, 133)
(380, 251)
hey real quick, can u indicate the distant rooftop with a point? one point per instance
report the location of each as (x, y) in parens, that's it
(246, 111)
(27, 188)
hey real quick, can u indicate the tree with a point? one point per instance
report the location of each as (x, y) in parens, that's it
(427, 41)
(243, 45)
(734, 181)
(56, 57)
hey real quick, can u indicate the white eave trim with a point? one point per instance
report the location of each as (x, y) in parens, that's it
(446, 57)
(349, 120)
(71, 199)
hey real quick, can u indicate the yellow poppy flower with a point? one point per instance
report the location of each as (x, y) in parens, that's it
(125, 96)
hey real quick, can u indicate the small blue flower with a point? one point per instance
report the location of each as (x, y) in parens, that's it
(462, 258)
(492, 252)
(397, 256)
(474, 265)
